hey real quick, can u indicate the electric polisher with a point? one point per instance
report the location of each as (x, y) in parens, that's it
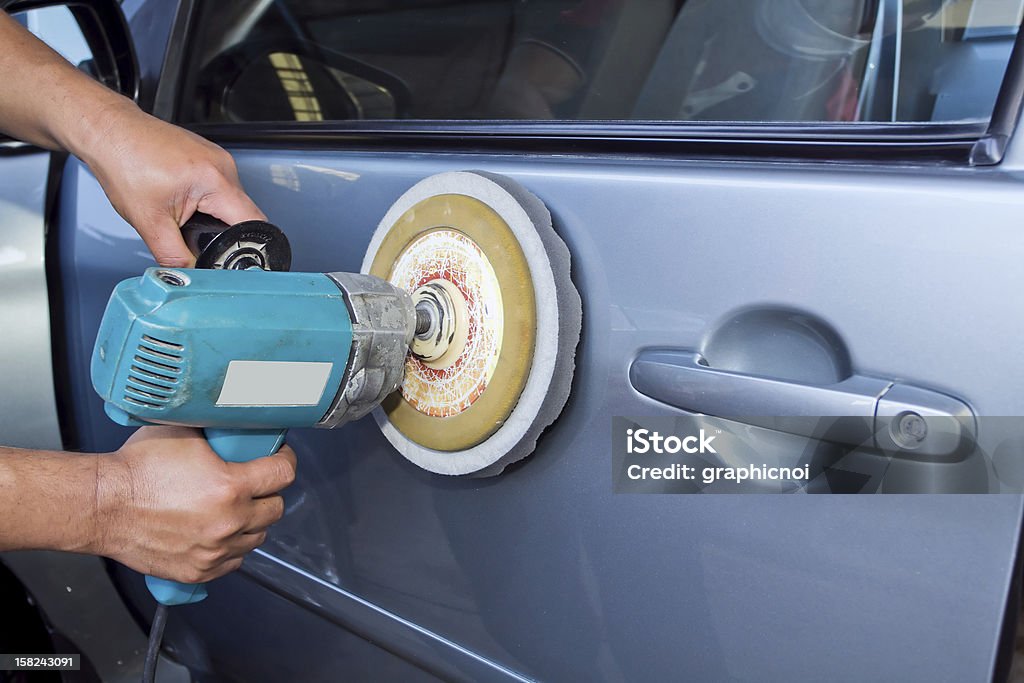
(246, 354)
(462, 329)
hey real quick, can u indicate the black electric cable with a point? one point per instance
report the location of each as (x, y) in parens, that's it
(156, 636)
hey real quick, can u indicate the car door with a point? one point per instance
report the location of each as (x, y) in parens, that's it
(797, 193)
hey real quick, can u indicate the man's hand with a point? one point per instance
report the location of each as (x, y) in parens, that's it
(168, 506)
(156, 175)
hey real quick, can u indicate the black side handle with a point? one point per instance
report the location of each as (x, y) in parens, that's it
(246, 245)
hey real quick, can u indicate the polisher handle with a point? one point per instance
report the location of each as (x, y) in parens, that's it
(232, 445)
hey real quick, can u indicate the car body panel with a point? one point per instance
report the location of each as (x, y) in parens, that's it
(543, 572)
(28, 408)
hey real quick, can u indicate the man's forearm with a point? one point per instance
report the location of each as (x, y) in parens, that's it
(44, 99)
(52, 501)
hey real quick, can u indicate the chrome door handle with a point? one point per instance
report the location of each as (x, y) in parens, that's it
(859, 410)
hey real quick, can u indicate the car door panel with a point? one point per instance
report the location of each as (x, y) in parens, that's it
(544, 572)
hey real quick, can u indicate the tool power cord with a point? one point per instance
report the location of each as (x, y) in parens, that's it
(156, 636)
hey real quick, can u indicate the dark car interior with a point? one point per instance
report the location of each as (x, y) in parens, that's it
(666, 60)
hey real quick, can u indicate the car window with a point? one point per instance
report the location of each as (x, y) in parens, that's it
(661, 60)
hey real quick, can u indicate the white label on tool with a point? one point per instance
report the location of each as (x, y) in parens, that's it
(274, 383)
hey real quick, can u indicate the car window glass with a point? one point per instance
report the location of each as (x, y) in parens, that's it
(661, 60)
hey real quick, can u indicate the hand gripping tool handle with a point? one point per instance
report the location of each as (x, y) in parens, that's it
(232, 445)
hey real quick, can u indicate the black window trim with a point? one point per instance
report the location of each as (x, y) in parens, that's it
(960, 143)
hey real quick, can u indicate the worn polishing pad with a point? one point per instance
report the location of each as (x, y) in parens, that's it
(495, 367)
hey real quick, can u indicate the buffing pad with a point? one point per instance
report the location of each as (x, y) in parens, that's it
(478, 394)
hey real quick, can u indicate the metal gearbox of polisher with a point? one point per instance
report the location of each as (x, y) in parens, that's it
(493, 356)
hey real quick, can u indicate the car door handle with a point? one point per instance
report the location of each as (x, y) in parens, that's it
(859, 410)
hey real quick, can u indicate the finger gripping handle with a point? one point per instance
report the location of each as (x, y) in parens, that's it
(232, 445)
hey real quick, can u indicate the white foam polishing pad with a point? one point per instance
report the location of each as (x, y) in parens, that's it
(477, 397)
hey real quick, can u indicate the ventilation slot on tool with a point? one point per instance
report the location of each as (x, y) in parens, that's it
(154, 372)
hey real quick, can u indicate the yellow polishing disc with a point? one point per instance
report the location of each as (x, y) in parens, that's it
(459, 242)
(498, 321)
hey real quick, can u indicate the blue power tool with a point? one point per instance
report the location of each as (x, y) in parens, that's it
(246, 354)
